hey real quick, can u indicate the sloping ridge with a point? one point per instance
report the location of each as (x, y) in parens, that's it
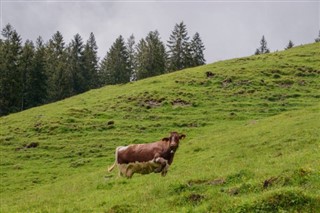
(252, 134)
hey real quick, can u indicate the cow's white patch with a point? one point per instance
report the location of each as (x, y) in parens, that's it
(122, 148)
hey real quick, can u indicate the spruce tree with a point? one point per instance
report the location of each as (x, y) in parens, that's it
(141, 58)
(91, 59)
(290, 45)
(263, 47)
(26, 70)
(151, 56)
(60, 79)
(37, 79)
(10, 74)
(2, 78)
(257, 52)
(197, 49)
(132, 56)
(179, 53)
(76, 65)
(317, 39)
(115, 67)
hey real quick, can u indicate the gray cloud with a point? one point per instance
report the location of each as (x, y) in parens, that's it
(228, 29)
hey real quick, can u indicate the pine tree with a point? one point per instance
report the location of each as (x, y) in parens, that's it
(60, 79)
(36, 78)
(317, 39)
(197, 49)
(257, 52)
(151, 56)
(76, 65)
(131, 56)
(290, 45)
(141, 58)
(115, 67)
(263, 48)
(26, 67)
(91, 62)
(10, 74)
(179, 54)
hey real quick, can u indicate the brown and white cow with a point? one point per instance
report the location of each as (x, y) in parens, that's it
(156, 153)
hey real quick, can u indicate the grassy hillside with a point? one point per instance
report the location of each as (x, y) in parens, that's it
(252, 142)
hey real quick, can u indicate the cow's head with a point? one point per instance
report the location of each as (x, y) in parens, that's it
(174, 140)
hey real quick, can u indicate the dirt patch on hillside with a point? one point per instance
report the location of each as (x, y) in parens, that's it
(195, 198)
(210, 74)
(218, 181)
(226, 82)
(180, 102)
(152, 102)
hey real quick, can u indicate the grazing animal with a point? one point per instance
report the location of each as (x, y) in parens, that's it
(156, 153)
(129, 169)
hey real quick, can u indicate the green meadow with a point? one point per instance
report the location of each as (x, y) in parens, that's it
(252, 145)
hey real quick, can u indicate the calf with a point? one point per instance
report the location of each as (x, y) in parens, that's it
(129, 169)
(160, 152)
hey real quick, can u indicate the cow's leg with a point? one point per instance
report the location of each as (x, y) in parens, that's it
(122, 169)
(165, 170)
(161, 161)
(129, 171)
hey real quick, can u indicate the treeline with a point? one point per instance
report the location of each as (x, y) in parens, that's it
(36, 73)
(263, 49)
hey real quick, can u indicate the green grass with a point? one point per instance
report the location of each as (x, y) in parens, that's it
(252, 142)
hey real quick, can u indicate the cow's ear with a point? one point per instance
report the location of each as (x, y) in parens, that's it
(182, 136)
(165, 139)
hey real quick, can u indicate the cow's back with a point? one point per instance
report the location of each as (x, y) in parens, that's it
(140, 152)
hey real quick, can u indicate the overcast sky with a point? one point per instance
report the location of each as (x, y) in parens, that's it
(228, 29)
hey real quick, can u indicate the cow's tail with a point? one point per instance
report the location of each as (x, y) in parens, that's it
(111, 167)
(115, 161)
